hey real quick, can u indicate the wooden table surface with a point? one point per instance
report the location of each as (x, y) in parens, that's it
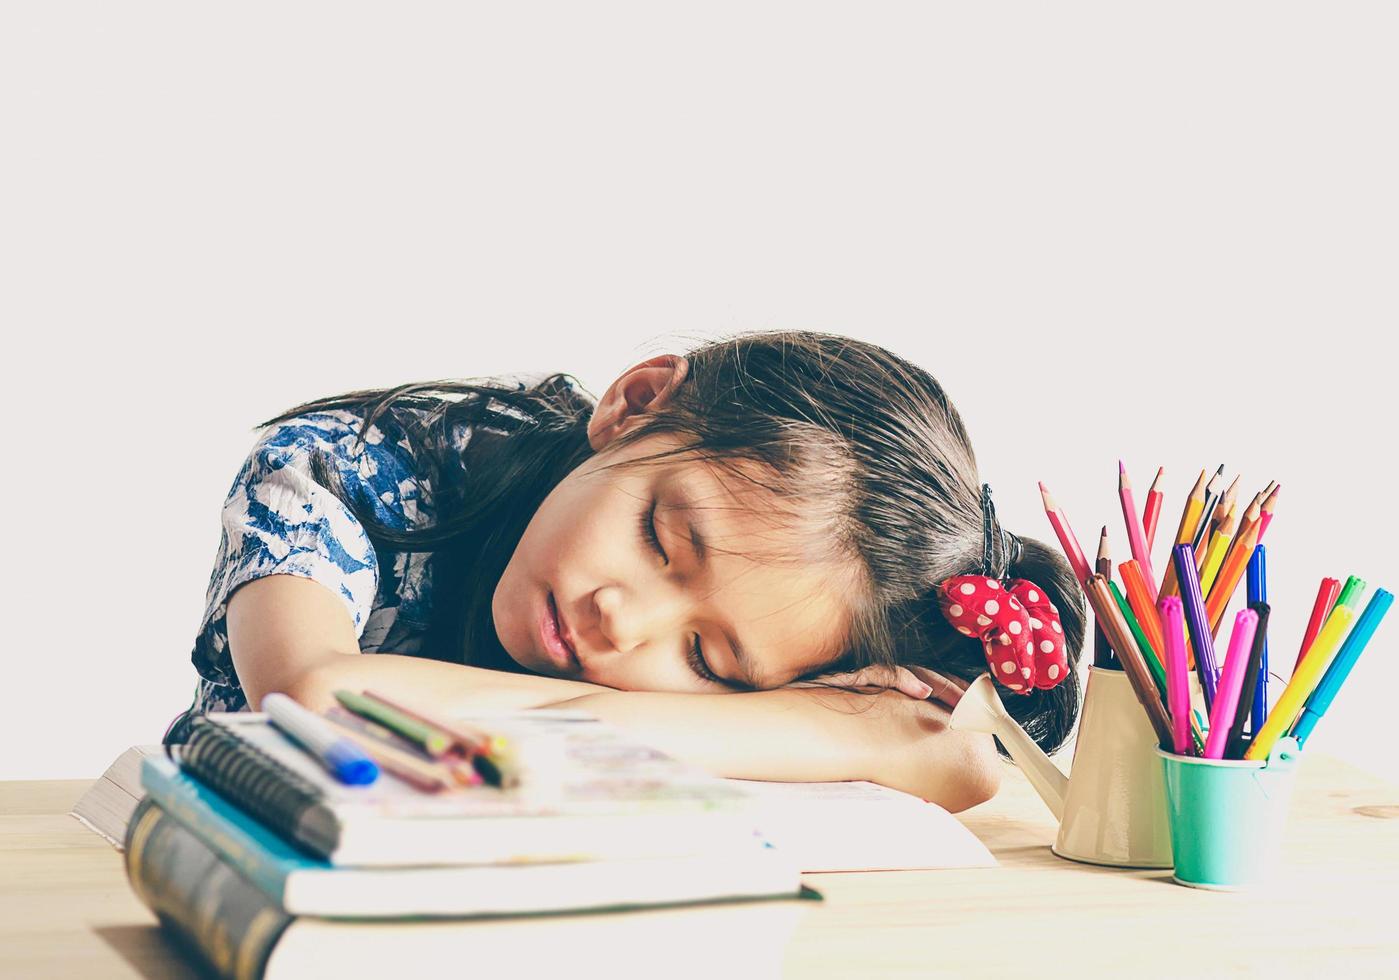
(66, 910)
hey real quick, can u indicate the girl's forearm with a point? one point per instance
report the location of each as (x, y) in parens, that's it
(432, 685)
(790, 734)
(812, 734)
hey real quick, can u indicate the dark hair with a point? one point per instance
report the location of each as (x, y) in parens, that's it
(843, 428)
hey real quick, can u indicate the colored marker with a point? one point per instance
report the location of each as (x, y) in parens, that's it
(1183, 557)
(1303, 682)
(1226, 703)
(1339, 670)
(1325, 599)
(1172, 613)
(1234, 747)
(345, 760)
(1257, 591)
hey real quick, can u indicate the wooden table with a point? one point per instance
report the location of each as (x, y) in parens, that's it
(66, 910)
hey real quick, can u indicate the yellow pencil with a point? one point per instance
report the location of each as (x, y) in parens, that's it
(1202, 553)
(1189, 519)
(1219, 545)
(1235, 564)
(1304, 681)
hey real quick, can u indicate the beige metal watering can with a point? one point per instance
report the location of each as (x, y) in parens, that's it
(1112, 810)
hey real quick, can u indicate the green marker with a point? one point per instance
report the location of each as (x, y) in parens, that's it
(1351, 593)
(434, 741)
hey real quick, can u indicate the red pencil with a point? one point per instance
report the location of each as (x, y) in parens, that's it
(1153, 508)
(1269, 506)
(1067, 541)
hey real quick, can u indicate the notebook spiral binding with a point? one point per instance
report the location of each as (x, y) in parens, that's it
(255, 782)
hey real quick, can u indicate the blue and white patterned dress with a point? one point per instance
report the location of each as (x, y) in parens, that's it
(277, 520)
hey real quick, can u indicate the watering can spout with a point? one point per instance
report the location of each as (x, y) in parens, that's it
(980, 710)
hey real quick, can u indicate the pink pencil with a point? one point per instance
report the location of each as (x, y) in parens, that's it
(1172, 612)
(1226, 699)
(1067, 541)
(1136, 537)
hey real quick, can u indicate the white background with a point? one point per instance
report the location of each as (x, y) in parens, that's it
(1167, 237)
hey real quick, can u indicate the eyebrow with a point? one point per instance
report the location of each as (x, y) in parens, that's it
(740, 655)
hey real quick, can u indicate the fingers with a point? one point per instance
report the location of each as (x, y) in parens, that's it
(916, 682)
(894, 678)
(946, 689)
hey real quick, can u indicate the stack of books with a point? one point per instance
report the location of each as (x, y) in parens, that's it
(251, 854)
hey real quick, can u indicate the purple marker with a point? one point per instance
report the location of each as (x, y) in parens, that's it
(1200, 636)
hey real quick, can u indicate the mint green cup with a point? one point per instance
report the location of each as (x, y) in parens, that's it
(1227, 816)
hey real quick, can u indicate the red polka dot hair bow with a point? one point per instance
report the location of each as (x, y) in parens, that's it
(1017, 625)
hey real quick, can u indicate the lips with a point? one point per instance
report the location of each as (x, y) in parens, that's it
(554, 634)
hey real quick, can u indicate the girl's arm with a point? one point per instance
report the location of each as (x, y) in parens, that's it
(790, 734)
(813, 734)
(292, 635)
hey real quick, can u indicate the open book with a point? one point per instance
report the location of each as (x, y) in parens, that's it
(846, 826)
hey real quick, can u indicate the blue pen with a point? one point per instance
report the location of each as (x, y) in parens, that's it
(345, 760)
(1341, 664)
(1258, 592)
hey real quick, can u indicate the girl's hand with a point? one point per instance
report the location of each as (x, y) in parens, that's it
(919, 683)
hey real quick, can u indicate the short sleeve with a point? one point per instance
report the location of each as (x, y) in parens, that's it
(279, 520)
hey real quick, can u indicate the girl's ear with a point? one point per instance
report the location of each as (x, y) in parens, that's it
(640, 390)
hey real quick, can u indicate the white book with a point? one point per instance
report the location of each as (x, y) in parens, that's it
(824, 826)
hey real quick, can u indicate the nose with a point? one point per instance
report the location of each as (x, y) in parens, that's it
(629, 620)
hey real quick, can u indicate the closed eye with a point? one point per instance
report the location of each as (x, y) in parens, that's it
(648, 531)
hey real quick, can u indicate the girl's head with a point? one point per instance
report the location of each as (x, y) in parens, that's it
(763, 509)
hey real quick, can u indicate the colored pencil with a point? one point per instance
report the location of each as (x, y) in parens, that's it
(1321, 608)
(1152, 513)
(1154, 661)
(1340, 668)
(1136, 538)
(1226, 704)
(460, 773)
(1269, 506)
(1303, 682)
(1060, 522)
(430, 739)
(466, 739)
(1102, 652)
(426, 776)
(1172, 614)
(1143, 604)
(1219, 546)
(1148, 653)
(1235, 745)
(1105, 607)
(1234, 564)
(1212, 497)
(1196, 618)
(1193, 505)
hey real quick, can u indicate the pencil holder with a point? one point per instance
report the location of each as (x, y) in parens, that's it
(1115, 808)
(1227, 816)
